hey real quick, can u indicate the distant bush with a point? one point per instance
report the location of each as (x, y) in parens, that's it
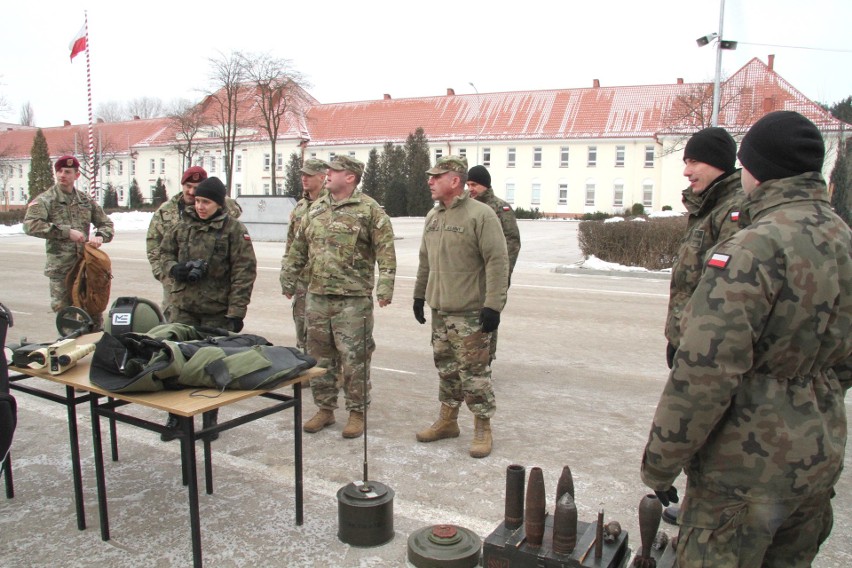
(522, 213)
(667, 207)
(596, 216)
(652, 245)
(12, 216)
(637, 209)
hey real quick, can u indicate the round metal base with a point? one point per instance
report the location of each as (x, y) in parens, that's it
(444, 546)
(365, 514)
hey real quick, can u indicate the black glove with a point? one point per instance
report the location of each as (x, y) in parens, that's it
(670, 353)
(180, 272)
(668, 496)
(234, 324)
(418, 310)
(489, 319)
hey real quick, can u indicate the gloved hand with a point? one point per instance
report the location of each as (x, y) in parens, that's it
(668, 496)
(180, 272)
(234, 324)
(489, 319)
(418, 310)
(670, 353)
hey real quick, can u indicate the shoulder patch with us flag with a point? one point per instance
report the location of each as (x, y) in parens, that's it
(719, 260)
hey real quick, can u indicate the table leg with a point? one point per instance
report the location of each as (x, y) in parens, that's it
(113, 437)
(297, 435)
(75, 457)
(187, 450)
(208, 466)
(99, 467)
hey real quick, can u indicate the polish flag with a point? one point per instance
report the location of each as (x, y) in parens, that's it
(78, 44)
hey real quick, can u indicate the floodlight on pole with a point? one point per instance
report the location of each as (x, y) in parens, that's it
(720, 45)
(478, 119)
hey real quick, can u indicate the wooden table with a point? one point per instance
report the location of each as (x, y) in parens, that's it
(185, 404)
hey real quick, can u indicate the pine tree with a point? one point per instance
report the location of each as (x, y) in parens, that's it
(135, 201)
(293, 177)
(393, 180)
(418, 198)
(40, 178)
(110, 197)
(159, 196)
(841, 178)
(370, 183)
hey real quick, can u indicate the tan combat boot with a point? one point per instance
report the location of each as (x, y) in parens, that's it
(446, 426)
(324, 417)
(481, 445)
(355, 425)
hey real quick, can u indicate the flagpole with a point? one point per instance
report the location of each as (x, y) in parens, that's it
(91, 157)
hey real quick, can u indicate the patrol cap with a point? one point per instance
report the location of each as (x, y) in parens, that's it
(195, 174)
(346, 163)
(314, 167)
(66, 162)
(450, 163)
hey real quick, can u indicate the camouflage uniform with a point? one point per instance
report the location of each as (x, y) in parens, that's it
(753, 410)
(463, 267)
(513, 240)
(337, 246)
(714, 215)
(164, 218)
(51, 216)
(226, 289)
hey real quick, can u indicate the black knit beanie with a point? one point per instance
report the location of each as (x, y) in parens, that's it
(782, 144)
(712, 146)
(479, 175)
(213, 189)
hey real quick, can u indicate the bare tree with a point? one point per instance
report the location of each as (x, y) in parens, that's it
(277, 90)
(230, 95)
(146, 107)
(187, 119)
(106, 151)
(111, 111)
(27, 117)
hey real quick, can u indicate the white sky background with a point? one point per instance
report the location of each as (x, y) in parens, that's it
(358, 50)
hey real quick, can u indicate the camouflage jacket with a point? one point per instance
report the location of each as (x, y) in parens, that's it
(166, 217)
(297, 215)
(225, 244)
(339, 244)
(463, 265)
(53, 214)
(714, 215)
(754, 405)
(507, 221)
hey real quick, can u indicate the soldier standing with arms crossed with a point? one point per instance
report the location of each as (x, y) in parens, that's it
(463, 275)
(753, 411)
(62, 216)
(342, 238)
(313, 182)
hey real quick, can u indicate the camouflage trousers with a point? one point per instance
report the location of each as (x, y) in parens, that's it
(299, 299)
(462, 351)
(338, 329)
(167, 282)
(722, 531)
(177, 315)
(60, 297)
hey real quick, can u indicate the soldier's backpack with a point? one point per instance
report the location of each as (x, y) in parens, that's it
(132, 314)
(89, 281)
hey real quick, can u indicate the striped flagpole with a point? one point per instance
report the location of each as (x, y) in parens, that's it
(93, 163)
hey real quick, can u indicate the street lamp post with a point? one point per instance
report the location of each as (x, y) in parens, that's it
(478, 119)
(720, 45)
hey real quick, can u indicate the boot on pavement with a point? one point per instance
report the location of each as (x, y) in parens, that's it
(355, 425)
(173, 424)
(447, 426)
(208, 419)
(324, 417)
(481, 445)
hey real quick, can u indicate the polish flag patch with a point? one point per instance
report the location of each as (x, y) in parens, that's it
(735, 215)
(246, 237)
(719, 260)
(506, 208)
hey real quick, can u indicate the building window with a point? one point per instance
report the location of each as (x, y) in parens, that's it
(486, 157)
(238, 187)
(619, 156)
(162, 165)
(153, 166)
(618, 193)
(121, 194)
(510, 192)
(20, 170)
(279, 190)
(563, 157)
(463, 152)
(120, 167)
(266, 189)
(279, 162)
(648, 193)
(352, 154)
(313, 155)
(536, 194)
(510, 157)
(133, 167)
(266, 162)
(109, 169)
(536, 157)
(332, 156)
(649, 156)
(23, 195)
(563, 193)
(238, 165)
(592, 159)
(439, 153)
(590, 193)
(213, 164)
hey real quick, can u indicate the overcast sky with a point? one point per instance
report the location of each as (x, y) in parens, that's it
(359, 50)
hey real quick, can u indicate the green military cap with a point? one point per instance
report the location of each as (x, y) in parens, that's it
(450, 163)
(313, 167)
(347, 163)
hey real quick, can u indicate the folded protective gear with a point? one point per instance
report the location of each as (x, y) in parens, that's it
(489, 319)
(180, 272)
(418, 310)
(234, 324)
(668, 496)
